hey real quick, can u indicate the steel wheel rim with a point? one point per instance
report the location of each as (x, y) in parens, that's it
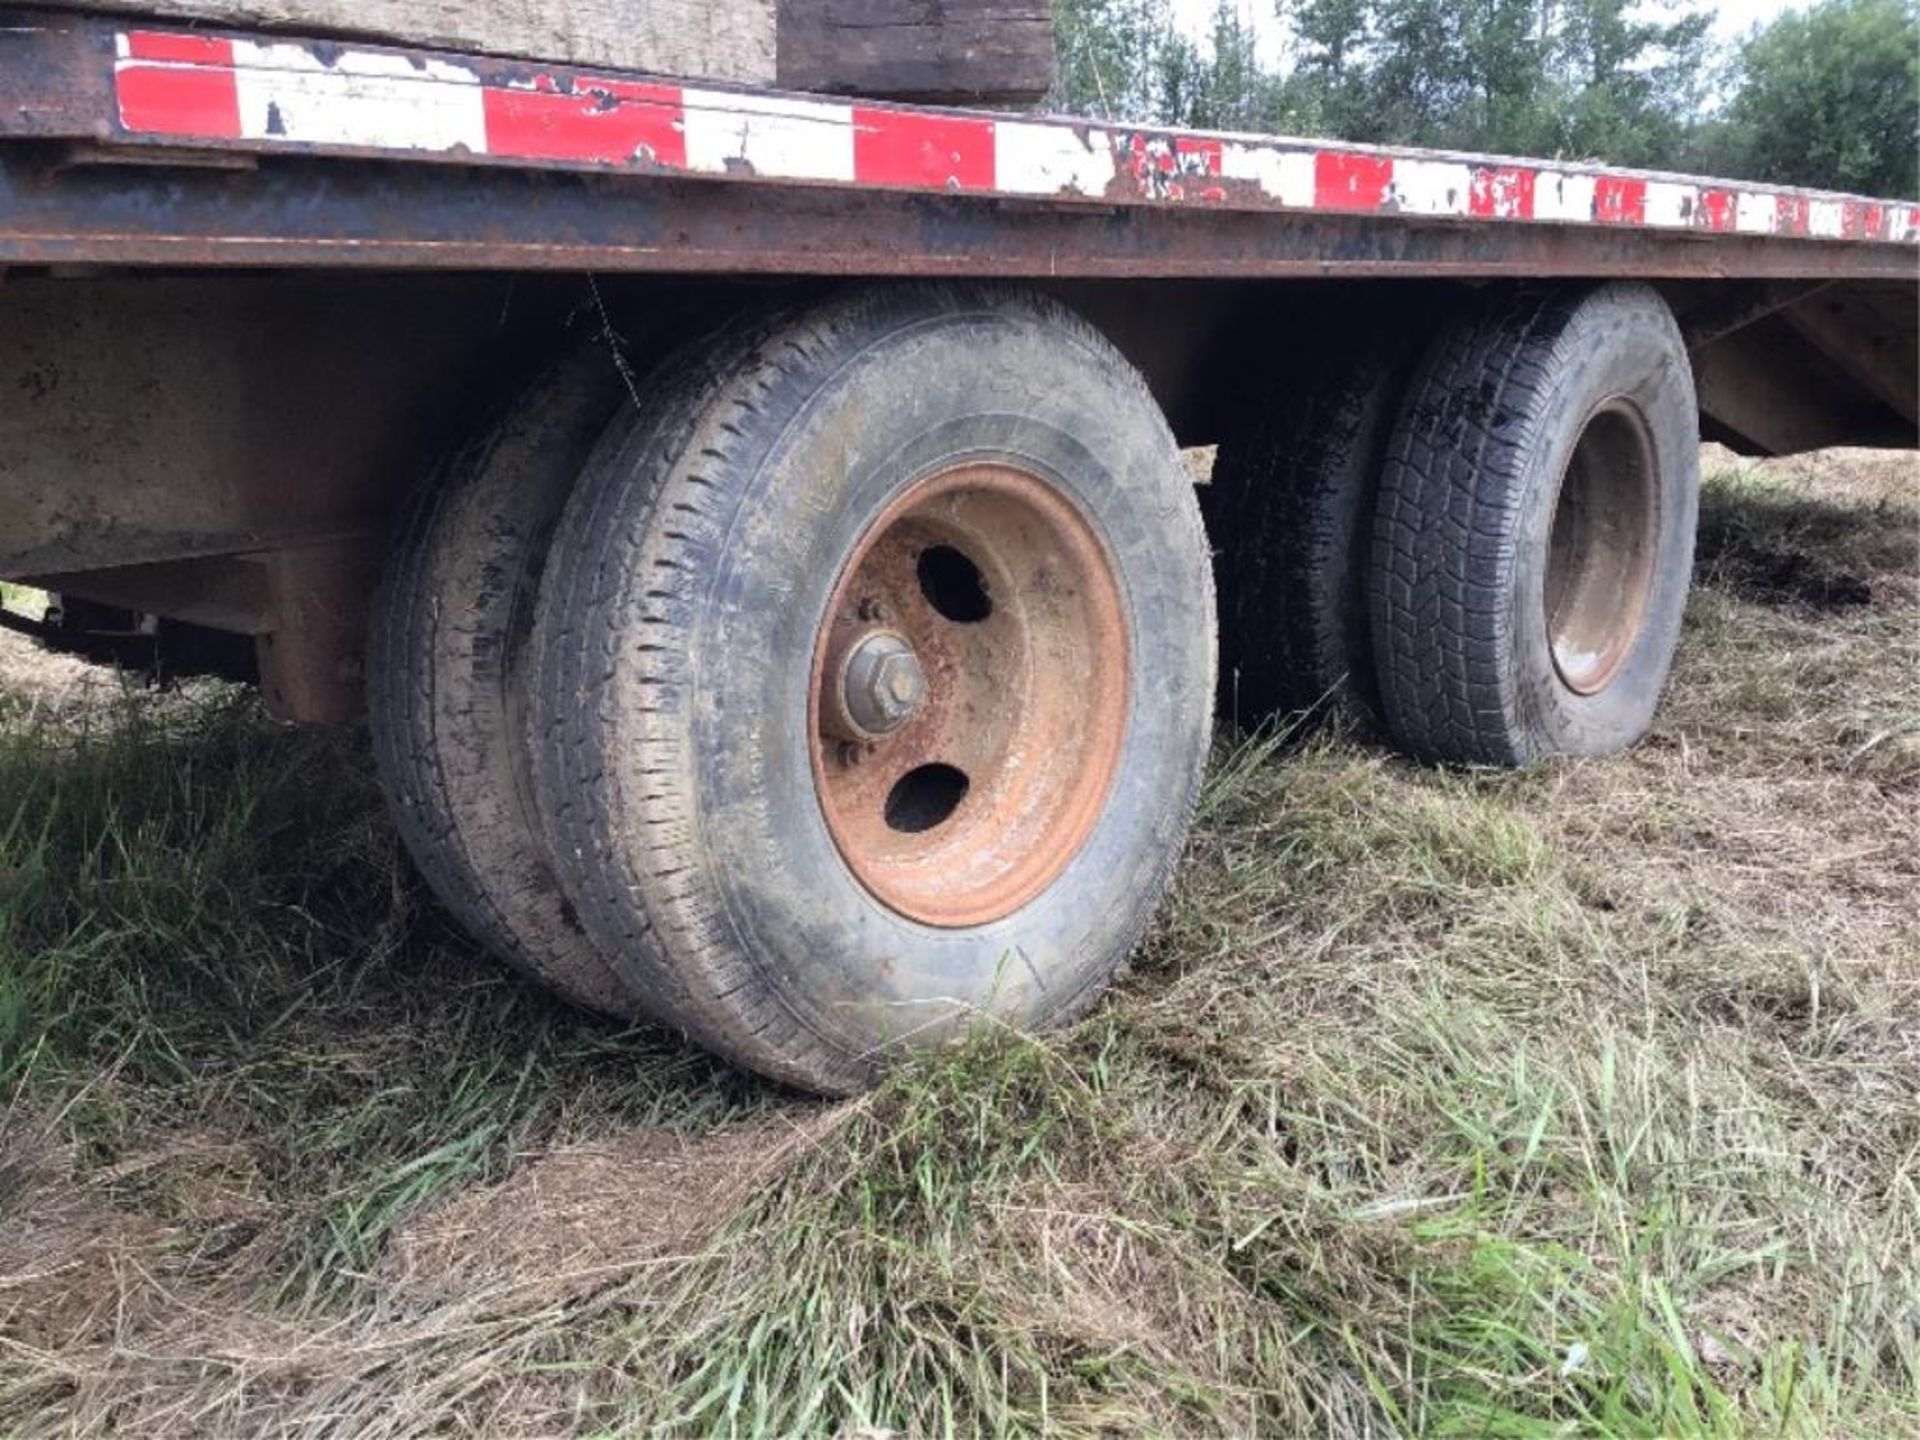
(971, 805)
(1601, 549)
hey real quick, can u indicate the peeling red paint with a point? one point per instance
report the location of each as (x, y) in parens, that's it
(1620, 200)
(323, 96)
(611, 122)
(1347, 180)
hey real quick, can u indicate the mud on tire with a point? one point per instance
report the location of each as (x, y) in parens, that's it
(705, 599)
(1533, 536)
(446, 682)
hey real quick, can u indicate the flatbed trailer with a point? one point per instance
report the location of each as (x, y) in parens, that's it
(751, 519)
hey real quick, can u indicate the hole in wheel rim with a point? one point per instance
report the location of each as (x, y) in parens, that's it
(1600, 554)
(952, 584)
(977, 802)
(924, 797)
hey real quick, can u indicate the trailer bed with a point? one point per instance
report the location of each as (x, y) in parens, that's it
(256, 286)
(153, 146)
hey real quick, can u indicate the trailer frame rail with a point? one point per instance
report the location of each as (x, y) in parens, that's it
(765, 181)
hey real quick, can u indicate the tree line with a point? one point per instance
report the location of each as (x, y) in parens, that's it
(1827, 96)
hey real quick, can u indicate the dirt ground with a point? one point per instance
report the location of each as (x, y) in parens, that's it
(1585, 1100)
(29, 674)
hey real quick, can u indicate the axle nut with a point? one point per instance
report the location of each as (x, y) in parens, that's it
(882, 684)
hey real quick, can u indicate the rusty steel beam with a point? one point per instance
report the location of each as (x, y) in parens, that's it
(305, 212)
(395, 157)
(59, 77)
(1867, 341)
(1728, 309)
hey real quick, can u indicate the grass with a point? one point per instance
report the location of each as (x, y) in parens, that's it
(1578, 1101)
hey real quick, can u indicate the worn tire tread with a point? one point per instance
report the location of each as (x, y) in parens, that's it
(1447, 519)
(440, 716)
(678, 458)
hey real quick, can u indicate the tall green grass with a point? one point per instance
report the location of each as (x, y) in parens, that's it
(205, 925)
(1580, 1101)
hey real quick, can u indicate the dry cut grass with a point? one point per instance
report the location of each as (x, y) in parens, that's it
(1578, 1101)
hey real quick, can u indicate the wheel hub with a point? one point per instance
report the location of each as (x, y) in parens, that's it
(1601, 551)
(970, 695)
(881, 686)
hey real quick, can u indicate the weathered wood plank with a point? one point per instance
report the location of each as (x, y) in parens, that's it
(996, 52)
(970, 51)
(708, 39)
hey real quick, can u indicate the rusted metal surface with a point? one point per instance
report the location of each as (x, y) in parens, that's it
(56, 77)
(225, 592)
(1765, 391)
(313, 655)
(1785, 368)
(320, 213)
(1710, 315)
(1606, 529)
(229, 90)
(305, 606)
(872, 684)
(987, 789)
(488, 164)
(152, 419)
(1872, 343)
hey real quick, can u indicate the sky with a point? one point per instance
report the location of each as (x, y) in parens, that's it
(1196, 16)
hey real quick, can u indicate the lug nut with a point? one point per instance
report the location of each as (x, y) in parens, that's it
(881, 685)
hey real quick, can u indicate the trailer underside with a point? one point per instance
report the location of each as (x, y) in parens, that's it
(253, 290)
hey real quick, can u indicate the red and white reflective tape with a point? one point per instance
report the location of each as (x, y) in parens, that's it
(328, 96)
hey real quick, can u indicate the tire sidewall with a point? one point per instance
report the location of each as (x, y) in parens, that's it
(448, 676)
(952, 388)
(1622, 344)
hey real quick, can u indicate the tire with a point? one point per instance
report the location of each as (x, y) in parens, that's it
(718, 550)
(1290, 510)
(446, 679)
(1533, 538)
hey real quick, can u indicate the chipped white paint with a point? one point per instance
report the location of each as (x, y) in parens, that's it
(1558, 195)
(731, 133)
(1033, 159)
(1431, 187)
(182, 87)
(362, 98)
(1284, 175)
(1827, 219)
(1670, 206)
(1756, 213)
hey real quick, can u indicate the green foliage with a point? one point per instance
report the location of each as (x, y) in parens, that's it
(1830, 98)
(200, 912)
(1579, 1102)
(1223, 90)
(1826, 97)
(1107, 56)
(1630, 75)
(1588, 78)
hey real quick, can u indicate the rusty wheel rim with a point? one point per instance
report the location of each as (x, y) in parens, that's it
(969, 695)
(1601, 551)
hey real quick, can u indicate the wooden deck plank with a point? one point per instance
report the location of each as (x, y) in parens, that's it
(710, 39)
(974, 52)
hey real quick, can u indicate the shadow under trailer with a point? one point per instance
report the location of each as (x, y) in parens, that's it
(754, 525)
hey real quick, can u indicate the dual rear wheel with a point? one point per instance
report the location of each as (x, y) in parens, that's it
(853, 677)
(862, 688)
(1484, 547)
